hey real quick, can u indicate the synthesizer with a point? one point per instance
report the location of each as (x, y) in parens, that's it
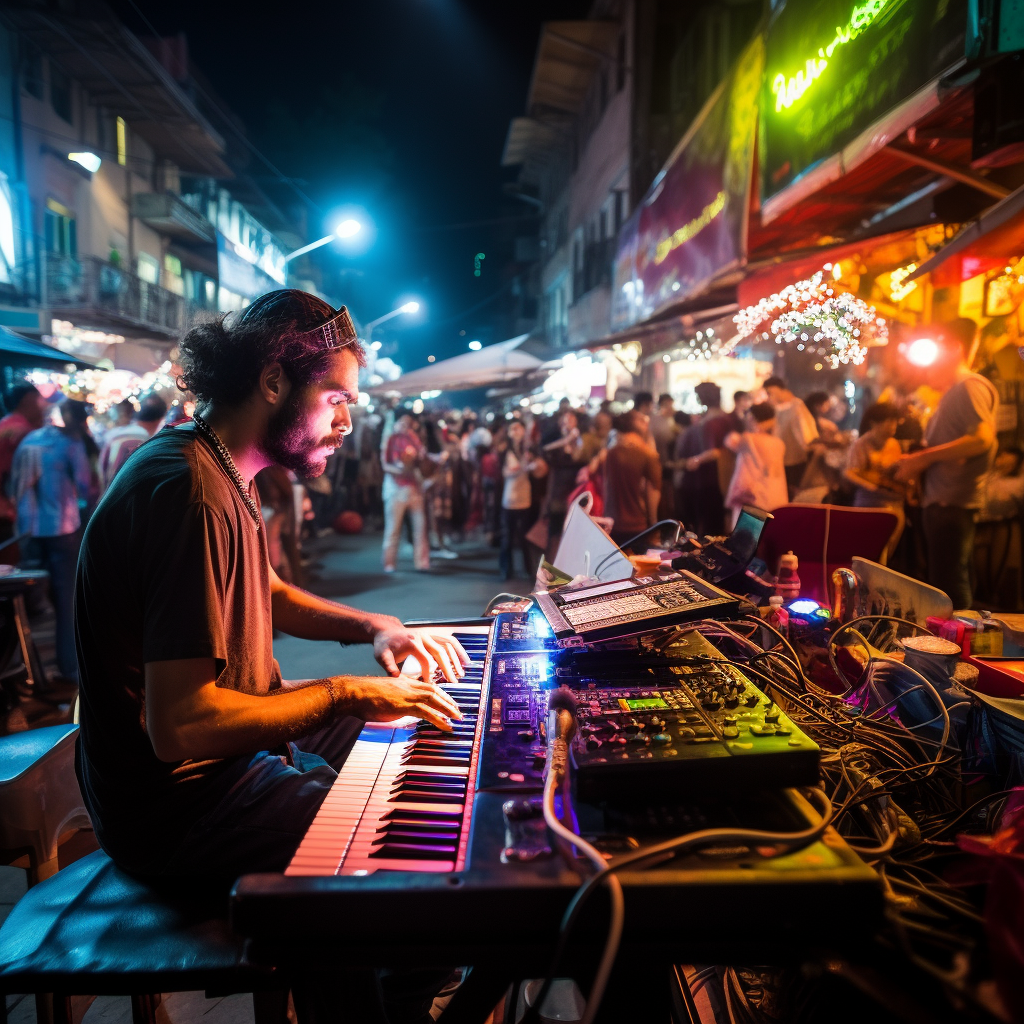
(404, 798)
(436, 845)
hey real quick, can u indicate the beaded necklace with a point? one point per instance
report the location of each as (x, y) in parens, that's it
(224, 458)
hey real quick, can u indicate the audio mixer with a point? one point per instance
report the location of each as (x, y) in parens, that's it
(630, 607)
(644, 718)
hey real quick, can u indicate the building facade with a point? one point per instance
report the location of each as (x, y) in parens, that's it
(121, 215)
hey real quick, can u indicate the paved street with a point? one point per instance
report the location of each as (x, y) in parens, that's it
(346, 569)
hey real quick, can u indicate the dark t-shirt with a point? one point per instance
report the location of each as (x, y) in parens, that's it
(172, 566)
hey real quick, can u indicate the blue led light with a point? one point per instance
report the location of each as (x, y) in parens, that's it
(540, 624)
(803, 606)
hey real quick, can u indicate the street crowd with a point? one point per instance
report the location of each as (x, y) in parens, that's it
(926, 452)
(508, 479)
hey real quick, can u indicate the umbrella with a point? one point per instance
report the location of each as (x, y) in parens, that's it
(16, 351)
(491, 365)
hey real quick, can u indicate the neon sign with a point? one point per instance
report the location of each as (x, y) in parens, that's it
(682, 235)
(788, 90)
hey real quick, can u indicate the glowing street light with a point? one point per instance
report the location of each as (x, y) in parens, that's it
(90, 161)
(348, 228)
(475, 346)
(407, 307)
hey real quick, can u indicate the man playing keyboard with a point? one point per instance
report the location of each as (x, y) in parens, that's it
(195, 756)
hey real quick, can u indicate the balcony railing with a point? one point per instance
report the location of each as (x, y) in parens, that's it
(105, 296)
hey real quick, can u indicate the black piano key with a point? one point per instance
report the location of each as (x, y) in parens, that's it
(455, 762)
(401, 835)
(428, 787)
(415, 775)
(433, 815)
(448, 782)
(405, 821)
(416, 851)
(427, 796)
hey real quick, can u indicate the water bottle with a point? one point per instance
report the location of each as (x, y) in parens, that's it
(777, 615)
(787, 585)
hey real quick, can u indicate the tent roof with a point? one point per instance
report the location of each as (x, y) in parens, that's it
(998, 231)
(491, 365)
(18, 351)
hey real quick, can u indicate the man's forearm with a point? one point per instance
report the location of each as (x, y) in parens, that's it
(217, 722)
(309, 617)
(953, 451)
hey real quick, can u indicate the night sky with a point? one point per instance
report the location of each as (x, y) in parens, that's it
(399, 107)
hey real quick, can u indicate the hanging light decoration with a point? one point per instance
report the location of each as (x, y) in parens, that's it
(812, 313)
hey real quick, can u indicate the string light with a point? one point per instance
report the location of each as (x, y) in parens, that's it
(838, 322)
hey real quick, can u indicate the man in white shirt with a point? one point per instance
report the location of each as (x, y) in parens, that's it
(120, 442)
(795, 427)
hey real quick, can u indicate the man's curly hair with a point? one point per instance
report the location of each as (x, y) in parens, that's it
(222, 360)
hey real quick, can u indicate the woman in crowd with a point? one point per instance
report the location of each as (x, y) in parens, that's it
(519, 462)
(759, 478)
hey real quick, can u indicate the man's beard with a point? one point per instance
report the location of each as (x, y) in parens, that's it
(290, 444)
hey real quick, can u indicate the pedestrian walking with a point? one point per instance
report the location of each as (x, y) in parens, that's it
(404, 455)
(51, 480)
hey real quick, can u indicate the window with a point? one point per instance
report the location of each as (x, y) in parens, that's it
(148, 268)
(172, 265)
(31, 69)
(122, 142)
(60, 93)
(59, 230)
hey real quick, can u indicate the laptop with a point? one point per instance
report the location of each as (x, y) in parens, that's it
(722, 559)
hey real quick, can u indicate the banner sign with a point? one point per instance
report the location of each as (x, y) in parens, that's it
(691, 225)
(834, 67)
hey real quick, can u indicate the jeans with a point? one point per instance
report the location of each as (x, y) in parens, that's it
(59, 557)
(515, 522)
(949, 539)
(399, 499)
(257, 826)
(266, 808)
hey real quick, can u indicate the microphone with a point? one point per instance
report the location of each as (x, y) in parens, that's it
(561, 727)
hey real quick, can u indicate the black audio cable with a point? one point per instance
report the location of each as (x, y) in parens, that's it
(666, 850)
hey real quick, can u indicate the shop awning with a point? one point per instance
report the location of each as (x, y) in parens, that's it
(771, 274)
(998, 232)
(495, 364)
(16, 351)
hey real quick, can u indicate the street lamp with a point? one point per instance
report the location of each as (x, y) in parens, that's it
(348, 228)
(407, 307)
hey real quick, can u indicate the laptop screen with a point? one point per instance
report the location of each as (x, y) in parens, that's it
(742, 542)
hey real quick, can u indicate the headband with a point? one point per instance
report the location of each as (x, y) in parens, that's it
(338, 332)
